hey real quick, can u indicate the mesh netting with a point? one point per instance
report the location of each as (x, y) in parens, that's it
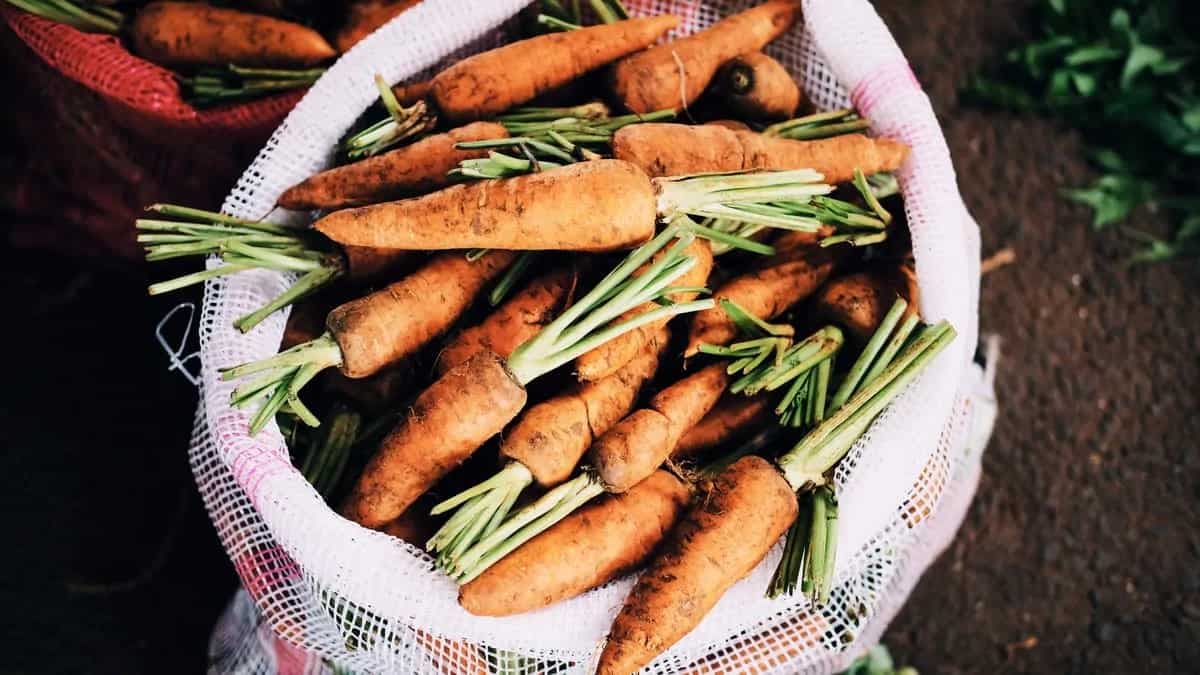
(368, 601)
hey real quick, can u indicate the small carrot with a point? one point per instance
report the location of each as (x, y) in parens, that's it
(491, 82)
(664, 149)
(409, 93)
(756, 86)
(409, 170)
(514, 322)
(731, 419)
(859, 301)
(678, 72)
(606, 360)
(195, 34)
(797, 269)
(365, 17)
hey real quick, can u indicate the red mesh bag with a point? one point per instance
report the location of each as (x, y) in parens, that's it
(99, 133)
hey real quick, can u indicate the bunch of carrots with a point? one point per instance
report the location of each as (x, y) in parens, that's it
(623, 340)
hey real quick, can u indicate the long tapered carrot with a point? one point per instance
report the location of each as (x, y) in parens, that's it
(587, 548)
(601, 205)
(663, 149)
(719, 541)
(607, 359)
(433, 439)
(641, 442)
(551, 437)
(195, 34)
(674, 74)
(381, 328)
(756, 86)
(797, 269)
(733, 417)
(514, 322)
(491, 82)
(408, 170)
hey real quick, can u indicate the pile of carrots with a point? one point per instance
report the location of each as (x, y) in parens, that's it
(586, 339)
(229, 51)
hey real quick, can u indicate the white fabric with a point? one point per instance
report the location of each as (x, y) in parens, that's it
(370, 602)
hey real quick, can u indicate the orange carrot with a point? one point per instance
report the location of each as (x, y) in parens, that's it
(409, 93)
(514, 322)
(640, 443)
(858, 302)
(796, 270)
(195, 34)
(720, 540)
(663, 149)
(485, 84)
(408, 170)
(756, 86)
(588, 548)
(608, 358)
(365, 17)
(368, 265)
(552, 436)
(676, 73)
(733, 418)
(434, 438)
(601, 205)
(380, 329)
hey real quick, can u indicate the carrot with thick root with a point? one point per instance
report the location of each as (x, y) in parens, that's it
(622, 457)
(365, 17)
(489, 83)
(859, 301)
(665, 149)
(195, 34)
(514, 322)
(732, 419)
(409, 170)
(797, 269)
(723, 537)
(545, 446)
(609, 358)
(588, 548)
(602, 205)
(367, 334)
(757, 87)
(677, 73)
(439, 435)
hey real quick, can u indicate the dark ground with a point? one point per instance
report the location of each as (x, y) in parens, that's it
(1079, 554)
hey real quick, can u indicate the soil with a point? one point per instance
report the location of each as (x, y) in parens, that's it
(1078, 555)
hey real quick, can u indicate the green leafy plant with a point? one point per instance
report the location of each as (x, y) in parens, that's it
(1125, 73)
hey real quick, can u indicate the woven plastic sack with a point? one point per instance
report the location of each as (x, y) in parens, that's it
(107, 133)
(369, 602)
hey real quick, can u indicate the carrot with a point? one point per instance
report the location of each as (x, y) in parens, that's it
(489, 83)
(600, 205)
(859, 301)
(678, 72)
(195, 34)
(410, 92)
(588, 548)
(473, 401)
(544, 446)
(606, 360)
(413, 526)
(365, 17)
(514, 322)
(731, 419)
(796, 270)
(663, 149)
(640, 443)
(368, 265)
(732, 125)
(433, 438)
(756, 86)
(721, 539)
(380, 329)
(408, 170)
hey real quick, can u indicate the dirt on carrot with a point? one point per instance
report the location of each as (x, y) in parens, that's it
(365, 17)
(734, 418)
(757, 87)
(857, 302)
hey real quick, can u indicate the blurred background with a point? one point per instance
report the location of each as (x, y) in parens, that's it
(1079, 553)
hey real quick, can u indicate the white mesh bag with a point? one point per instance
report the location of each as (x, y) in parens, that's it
(321, 591)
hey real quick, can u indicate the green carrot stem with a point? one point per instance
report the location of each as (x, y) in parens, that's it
(854, 239)
(608, 11)
(511, 276)
(868, 195)
(512, 473)
(893, 346)
(322, 350)
(863, 363)
(784, 581)
(201, 216)
(306, 285)
(195, 278)
(729, 239)
(556, 23)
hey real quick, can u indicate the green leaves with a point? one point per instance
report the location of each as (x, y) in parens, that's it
(1125, 73)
